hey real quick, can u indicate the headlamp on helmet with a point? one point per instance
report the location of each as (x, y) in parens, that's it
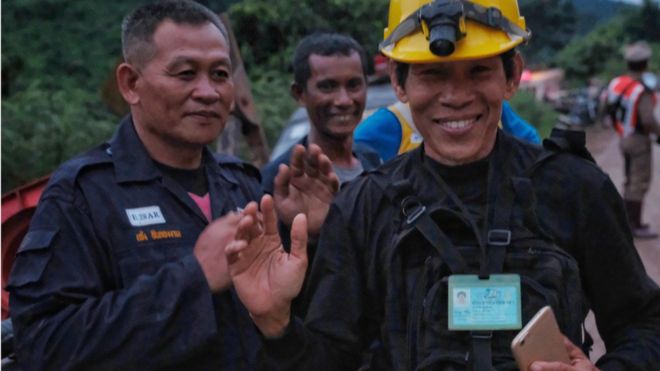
(443, 24)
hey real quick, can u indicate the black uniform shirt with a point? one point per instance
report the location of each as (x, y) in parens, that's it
(105, 278)
(356, 301)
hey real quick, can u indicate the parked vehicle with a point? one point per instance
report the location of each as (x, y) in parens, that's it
(578, 107)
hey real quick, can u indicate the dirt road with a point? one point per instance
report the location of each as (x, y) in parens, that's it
(603, 144)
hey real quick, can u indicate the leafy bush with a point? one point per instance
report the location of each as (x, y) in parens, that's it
(598, 53)
(539, 114)
(42, 128)
(268, 32)
(58, 54)
(271, 89)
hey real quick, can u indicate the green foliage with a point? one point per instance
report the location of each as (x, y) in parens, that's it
(586, 57)
(643, 24)
(271, 89)
(552, 23)
(42, 128)
(49, 39)
(598, 54)
(268, 32)
(539, 114)
(57, 55)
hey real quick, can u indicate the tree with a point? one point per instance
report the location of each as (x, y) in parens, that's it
(56, 55)
(598, 54)
(553, 25)
(269, 30)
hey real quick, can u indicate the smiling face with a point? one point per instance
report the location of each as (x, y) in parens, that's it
(334, 96)
(456, 106)
(181, 98)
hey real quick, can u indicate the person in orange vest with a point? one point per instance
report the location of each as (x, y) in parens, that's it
(631, 103)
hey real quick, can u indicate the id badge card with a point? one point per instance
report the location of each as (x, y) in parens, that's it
(488, 304)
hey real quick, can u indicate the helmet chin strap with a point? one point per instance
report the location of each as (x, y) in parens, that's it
(490, 16)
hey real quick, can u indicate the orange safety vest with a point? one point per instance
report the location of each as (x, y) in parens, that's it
(626, 91)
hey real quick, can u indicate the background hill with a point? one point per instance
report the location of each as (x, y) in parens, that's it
(594, 12)
(58, 58)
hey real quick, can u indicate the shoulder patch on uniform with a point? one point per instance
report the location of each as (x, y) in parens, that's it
(37, 240)
(62, 181)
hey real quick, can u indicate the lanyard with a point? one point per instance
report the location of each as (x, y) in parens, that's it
(496, 233)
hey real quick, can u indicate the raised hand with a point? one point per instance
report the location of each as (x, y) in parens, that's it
(307, 186)
(210, 250)
(266, 277)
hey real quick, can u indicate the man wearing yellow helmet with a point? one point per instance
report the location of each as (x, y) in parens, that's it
(471, 210)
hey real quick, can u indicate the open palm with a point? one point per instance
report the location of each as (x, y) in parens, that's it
(307, 186)
(265, 276)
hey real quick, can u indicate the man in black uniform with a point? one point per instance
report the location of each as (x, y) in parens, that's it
(123, 267)
(514, 226)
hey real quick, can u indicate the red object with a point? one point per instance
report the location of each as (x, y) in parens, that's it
(18, 206)
(380, 65)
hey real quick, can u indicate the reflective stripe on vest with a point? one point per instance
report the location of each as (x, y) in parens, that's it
(410, 138)
(629, 90)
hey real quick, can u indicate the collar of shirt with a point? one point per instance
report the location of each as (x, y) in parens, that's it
(133, 163)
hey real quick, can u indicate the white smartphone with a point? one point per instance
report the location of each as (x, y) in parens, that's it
(539, 340)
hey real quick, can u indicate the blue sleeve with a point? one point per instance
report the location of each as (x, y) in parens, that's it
(268, 174)
(269, 171)
(516, 126)
(382, 132)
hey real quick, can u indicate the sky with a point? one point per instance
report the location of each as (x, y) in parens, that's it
(636, 1)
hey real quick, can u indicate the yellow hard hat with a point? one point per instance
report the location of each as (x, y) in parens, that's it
(425, 31)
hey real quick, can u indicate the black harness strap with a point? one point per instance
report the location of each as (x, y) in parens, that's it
(560, 141)
(504, 187)
(443, 244)
(481, 353)
(418, 216)
(497, 233)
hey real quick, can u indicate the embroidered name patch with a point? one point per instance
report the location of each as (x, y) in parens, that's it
(142, 216)
(153, 234)
(159, 235)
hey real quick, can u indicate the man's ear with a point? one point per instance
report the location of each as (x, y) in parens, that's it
(513, 82)
(296, 91)
(127, 80)
(399, 89)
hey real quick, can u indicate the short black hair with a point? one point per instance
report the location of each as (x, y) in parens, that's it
(639, 66)
(324, 44)
(401, 70)
(139, 26)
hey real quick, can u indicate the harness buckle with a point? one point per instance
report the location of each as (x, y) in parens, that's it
(416, 210)
(481, 335)
(499, 237)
